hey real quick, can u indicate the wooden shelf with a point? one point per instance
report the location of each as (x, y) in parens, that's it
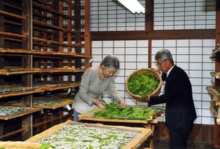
(215, 74)
(20, 114)
(61, 102)
(42, 53)
(55, 86)
(12, 15)
(12, 34)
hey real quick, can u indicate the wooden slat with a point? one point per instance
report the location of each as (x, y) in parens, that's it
(44, 30)
(52, 10)
(12, 14)
(55, 42)
(12, 34)
(66, 1)
(12, 6)
(43, 16)
(13, 39)
(44, 44)
(12, 22)
(51, 26)
(12, 133)
(45, 3)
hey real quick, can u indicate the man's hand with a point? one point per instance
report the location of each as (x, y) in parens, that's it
(147, 98)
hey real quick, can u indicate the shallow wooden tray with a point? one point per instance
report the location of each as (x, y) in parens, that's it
(90, 116)
(58, 87)
(25, 71)
(142, 133)
(19, 145)
(63, 103)
(18, 93)
(215, 74)
(215, 91)
(26, 112)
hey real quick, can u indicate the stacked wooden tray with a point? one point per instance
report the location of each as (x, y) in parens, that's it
(9, 70)
(140, 134)
(26, 111)
(19, 145)
(215, 74)
(214, 104)
(8, 91)
(61, 102)
(89, 116)
(55, 86)
(52, 53)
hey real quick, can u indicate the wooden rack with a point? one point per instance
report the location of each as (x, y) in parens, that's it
(215, 93)
(39, 39)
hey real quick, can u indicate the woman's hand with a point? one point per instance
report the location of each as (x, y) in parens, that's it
(99, 103)
(122, 103)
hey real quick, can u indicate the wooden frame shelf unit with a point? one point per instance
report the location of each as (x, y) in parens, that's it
(15, 32)
(48, 35)
(59, 47)
(53, 51)
(216, 56)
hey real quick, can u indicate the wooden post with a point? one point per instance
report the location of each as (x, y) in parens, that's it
(217, 69)
(27, 63)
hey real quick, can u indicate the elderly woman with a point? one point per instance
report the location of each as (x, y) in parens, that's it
(95, 81)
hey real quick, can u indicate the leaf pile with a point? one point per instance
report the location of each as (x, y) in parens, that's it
(113, 111)
(142, 84)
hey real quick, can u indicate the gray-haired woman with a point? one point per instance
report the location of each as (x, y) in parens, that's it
(95, 81)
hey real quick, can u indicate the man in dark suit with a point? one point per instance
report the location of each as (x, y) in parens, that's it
(180, 110)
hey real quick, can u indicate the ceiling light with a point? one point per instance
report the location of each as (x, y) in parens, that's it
(133, 5)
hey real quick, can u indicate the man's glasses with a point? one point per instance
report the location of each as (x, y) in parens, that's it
(158, 65)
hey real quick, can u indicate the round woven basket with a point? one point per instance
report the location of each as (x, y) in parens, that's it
(143, 70)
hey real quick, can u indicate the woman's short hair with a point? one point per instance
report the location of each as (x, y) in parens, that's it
(163, 55)
(110, 61)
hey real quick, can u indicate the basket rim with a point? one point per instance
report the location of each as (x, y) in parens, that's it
(145, 69)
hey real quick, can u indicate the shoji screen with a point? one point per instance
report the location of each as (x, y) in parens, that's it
(184, 14)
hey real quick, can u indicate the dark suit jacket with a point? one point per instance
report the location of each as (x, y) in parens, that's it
(180, 110)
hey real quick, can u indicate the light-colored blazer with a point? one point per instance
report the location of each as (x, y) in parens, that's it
(91, 87)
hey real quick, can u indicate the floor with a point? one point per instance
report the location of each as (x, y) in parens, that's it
(163, 144)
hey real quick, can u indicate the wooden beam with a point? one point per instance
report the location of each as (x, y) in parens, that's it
(87, 33)
(157, 34)
(149, 19)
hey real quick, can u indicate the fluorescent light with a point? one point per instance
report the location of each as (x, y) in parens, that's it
(133, 5)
